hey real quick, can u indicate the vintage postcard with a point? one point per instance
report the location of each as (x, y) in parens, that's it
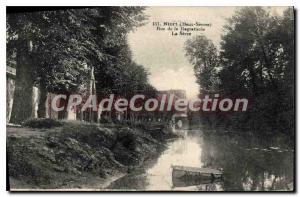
(150, 98)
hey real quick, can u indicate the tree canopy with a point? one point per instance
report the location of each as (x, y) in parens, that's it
(56, 49)
(255, 60)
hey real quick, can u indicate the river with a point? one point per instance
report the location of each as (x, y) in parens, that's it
(247, 163)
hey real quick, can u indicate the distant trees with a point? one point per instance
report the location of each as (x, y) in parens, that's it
(55, 50)
(256, 60)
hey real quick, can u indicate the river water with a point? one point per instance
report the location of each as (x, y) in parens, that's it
(247, 164)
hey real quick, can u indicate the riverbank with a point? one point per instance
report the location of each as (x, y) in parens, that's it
(75, 155)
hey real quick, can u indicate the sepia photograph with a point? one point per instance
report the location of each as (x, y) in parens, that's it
(151, 98)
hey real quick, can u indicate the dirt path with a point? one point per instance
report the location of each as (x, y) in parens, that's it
(27, 132)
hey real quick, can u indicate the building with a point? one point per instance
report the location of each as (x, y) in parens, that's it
(177, 93)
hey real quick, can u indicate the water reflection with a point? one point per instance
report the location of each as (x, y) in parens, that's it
(247, 165)
(181, 152)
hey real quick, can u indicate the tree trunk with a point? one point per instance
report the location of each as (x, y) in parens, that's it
(42, 102)
(23, 97)
(63, 103)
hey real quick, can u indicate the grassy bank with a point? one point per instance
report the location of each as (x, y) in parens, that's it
(75, 155)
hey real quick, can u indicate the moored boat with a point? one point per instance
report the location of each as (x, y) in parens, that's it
(187, 176)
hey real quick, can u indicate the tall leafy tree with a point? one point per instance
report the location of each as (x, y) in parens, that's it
(55, 50)
(202, 53)
(256, 59)
(53, 59)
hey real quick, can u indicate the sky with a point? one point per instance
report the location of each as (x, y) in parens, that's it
(163, 55)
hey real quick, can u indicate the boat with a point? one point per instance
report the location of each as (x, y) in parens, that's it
(183, 176)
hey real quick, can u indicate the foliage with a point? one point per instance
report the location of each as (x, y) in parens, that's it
(42, 123)
(75, 152)
(64, 45)
(256, 61)
(203, 55)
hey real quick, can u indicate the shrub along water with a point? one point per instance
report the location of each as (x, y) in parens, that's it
(75, 151)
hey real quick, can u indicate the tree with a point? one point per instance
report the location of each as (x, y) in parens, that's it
(21, 34)
(203, 55)
(54, 48)
(256, 61)
(40, 54)
(257, 54)
(61, 47)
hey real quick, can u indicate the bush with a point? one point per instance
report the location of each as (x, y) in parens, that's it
(42, 123)
(127, 138)
(25, 162)
(92, 134)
